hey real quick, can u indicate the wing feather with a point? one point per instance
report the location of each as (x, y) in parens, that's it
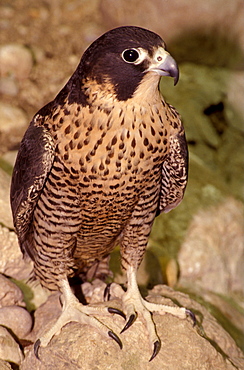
(33, 163)
(175, 168)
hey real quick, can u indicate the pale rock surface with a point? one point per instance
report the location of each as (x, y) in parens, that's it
(9, 86)
(11, 262)
(207, 346)
(5, 209)
(17, 319)
(13, 122)
(10, 157)
(212, 254)
(11, 118)
(46, 313)
(9, 349)
(4, 365)
(15, 60)
(203, 33)
(10, 293)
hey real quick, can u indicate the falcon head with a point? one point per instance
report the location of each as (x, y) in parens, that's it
(122, 59)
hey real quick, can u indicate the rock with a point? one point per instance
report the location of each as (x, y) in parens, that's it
(213, 119)
(9, 349)
(11, 262)
(13, 123)
(231, 170)
(184, 27)
(17, 319)
(206, 346)
(213, 235)
(234, 100)
(46, 313)
(7, 160)
(5, 209)
(15, 60)
(228, 311)
(199, 88)
(10, 293)
(4, 365)
(8, 86)
(94, 291)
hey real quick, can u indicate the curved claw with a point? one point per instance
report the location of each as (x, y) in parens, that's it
(36, 348)
(116, 338)
(129, 323)
(106, 294)
(116, 311)
(156, 349)
(192, 316)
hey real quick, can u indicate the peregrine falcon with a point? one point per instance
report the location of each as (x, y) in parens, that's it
(95, 167)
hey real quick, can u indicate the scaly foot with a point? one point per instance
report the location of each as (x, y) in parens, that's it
(73, 310)
(133, 304)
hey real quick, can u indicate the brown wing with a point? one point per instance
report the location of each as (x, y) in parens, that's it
(33, 163)
(175, 168)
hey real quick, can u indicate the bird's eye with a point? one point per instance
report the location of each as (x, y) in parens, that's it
(130, 55)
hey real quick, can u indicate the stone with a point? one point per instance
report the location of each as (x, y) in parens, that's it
(46, 313)
(8, 86)
(207, 346)
(10, 293)
(210, 101)
(192, 33)
(12, 262)
(7, 160)
(5, 209)
(13, 122)
(17, 319)
(4, 365)
(15, 60)
(9, 349)
(213, 235)
(234, 100)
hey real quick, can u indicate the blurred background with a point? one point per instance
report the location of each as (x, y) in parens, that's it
(198, 247)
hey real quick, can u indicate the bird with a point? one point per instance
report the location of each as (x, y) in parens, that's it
(94, 168)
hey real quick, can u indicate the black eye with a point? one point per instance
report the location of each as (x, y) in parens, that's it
(130, 55)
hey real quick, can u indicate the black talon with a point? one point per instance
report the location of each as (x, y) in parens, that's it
(106, 294)
(129, 323)
(156, 349)
(192, 316)
(116, 311)
(36, 348)
(116, 338)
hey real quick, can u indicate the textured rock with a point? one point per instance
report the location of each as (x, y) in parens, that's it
(9, 349)
(207, 346)
(4, 365)
(17, 319)
(212, 254)
(15, 60)
(8, 86)
(234, 100)
(47, 312)
(210, 32)
(10, 294)
(211, 104)
(5, 209)
(10, 157)
(11, 118)
(13, 123)
(11, 262)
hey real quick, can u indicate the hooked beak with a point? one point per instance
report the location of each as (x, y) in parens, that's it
(165, 65)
